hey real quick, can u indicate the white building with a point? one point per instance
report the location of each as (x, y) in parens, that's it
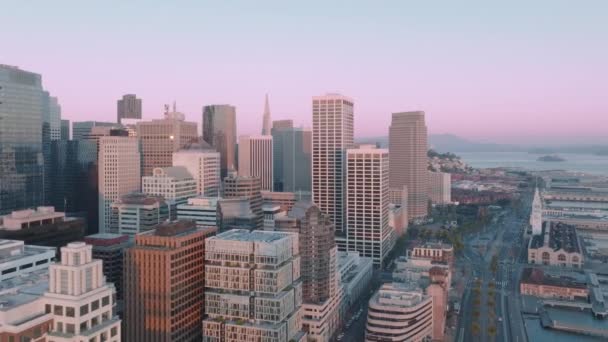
(440, 187)
(136, 213)
(332, 134)
(175, 184)
(119, 173)
(82, 303)
(367, 200)
(536, 215)
(26, 218)
(355, 276)
(204, 166)
(400, 312)
(18, 259)
(255, 159)
(202, 210)
(252, 287)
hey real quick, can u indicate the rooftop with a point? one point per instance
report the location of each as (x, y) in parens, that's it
(560, 236)
(560, 279)
(140, 199)
(253, 236)
(177, 172)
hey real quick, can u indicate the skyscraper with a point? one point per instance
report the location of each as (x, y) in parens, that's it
(244, 187)
(367, 201)
(409, 161)
(65, 130)
(204, 166)
(51, 131)
(252, 287)
(161, 138)
(440, 187)
(255, 159)
(82, 129)
(219, 131)
(266, 119)
(119, 173)
(129, 107)
(82, 303)
(164, 280)
(292, 157)
(21, 121)
(332, 134)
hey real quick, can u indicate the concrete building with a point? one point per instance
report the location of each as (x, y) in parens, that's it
(22, 317)
(82, 303)
(236, 213)
(553, 285)
(440, 188)
(252, 287)
(292, 157)
(435, 251)
(255, 159)
(129, 107)
(164, 283)
(272, 213)
(397, 219)
(367, 200)
(119, 173)
(109, 248)
(248, 188)
(285, 200)
(136, 213)
(409, 161)
(355, 274)
(161, 138)
(18, 259)
(399, 312)
(536, 215)
(321, 293)
(332, 134)
(557, 245)
(41, 226)
(204, 166)
(219, 131)
(204, 211)
(175, 184)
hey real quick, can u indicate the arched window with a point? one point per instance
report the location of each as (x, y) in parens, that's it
(561, 257)
(575, 259)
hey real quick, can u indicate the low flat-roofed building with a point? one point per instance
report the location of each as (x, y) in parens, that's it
(135, 213)
(42, 226)
(557, 245)
(204, 211)
(545, 284)
(284, 199)
(17, 258)
(436, 251)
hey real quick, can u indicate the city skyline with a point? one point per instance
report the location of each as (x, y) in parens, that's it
(464, 73)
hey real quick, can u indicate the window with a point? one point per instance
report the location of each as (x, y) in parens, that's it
(70, 328)
(95, 305)
(105, 301)
(69, 311)
(47, 308)
(84, 310)
(113, 331)
(58, 310)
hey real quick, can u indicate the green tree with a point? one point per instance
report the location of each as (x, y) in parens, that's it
(475, 328)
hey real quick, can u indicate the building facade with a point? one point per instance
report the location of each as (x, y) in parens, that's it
(292, 158)
(367, 203)
(129, 107)
(252, 287)
(80, 299)
(536, 215)
(17, 258)
(164, 284)
(255, 159)
(109, 248)
(219, 131)
(408, 160)
(332, 134)
(82, 129)
(204, 166)
(247, 188)
(119, 173)
(204, 211)
(440, 188)
(557, 245)
(161, 138)
(175, 184)
(136, 213)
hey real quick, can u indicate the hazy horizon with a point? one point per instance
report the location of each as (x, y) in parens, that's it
(504, 73)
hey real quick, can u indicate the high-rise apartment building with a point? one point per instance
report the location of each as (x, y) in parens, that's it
(252, 287)
(65, 130)
(22, 108)
(135, 213)
(440, 187)
(321, 293)
(175, 184)
(367, 201)
(164, 281)
(204, 166)
(219, 131)
(399, 312)
(292, 157)
(255, 159)
(249, 188)
(266, 118)
(409, 161)
(161, 138)
(119, 173)
(82, 303)
(332, 134)
(129, 107)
